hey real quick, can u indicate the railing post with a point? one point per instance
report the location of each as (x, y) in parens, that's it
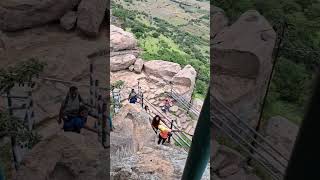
(199, 153)
(142, 100)
(171, 87)
(171, 129)
(95, 91)
(100, 118)
(13, 139)
(104, 123)
(114, 104)
(91, 99)
(138, 87)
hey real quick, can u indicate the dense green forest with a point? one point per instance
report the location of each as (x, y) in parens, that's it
(161, 40)
(299, 56)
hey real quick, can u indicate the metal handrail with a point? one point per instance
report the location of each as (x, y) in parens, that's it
(255, 149)
(255, 140)
(242, 126)
(249, 127)
(190, 108)
(247, 151)
(177, 133)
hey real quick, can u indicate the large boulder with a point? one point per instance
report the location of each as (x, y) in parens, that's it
(90, 16)
(66, 56)
(121, 40)
(69, 20)
(2, 41)
(227, 161)
(121, 62)
(133, 128)
(162, 69)
(281, 134)
(218, 20)
(185, 77)
(184, 81)
(16, 15)
(243, 63)
(138, 65)
(197, 104)
(65, 156)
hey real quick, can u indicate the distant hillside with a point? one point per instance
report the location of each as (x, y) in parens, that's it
(170, 31)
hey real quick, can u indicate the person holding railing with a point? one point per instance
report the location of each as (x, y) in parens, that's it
(165, 133)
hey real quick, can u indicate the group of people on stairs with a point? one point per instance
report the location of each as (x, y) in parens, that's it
(74, 113)
(161, 130)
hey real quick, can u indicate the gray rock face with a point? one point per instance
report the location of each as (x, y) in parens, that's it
(184, 81)
(60, 51)
(227, 161)
(138, 65)
(121, 40)
(17, 15)
(147, 160)
(68, 21)
(242, 64)
(218, 20)
(90, 16)
(281, 133)
(62, 156)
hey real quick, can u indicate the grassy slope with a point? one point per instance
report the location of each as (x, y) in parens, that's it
(173, 42)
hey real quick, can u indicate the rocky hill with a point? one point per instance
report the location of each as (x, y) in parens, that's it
(37, 29)
(134, 153)
(152, 76)
(241, 67)
(65, 35)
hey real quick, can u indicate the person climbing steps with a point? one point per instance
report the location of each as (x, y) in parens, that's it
(165, 133)
(156, 122)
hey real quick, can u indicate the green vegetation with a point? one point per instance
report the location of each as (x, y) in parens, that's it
(162, 40)
(11, 126)
(22, 72)
(299, 56)
(118, 84)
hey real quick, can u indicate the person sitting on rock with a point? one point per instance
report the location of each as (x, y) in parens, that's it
(75, 124)
(133, 97)
(156, 122)
(167, 105)
(71, 105)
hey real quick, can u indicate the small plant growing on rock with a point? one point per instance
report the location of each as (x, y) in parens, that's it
(9, 125)
(118, 84)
